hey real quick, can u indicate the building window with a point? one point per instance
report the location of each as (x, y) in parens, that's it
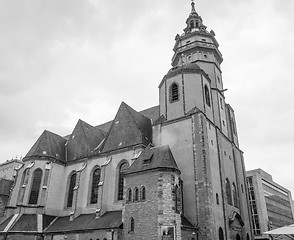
(174, 92)
(253, 207)
(136, 195)
(191, 24)
(143, 194)
(221, 102)
(122, 169)
(217, 199)
(132, 225)
(228, 191)
(72, 184)
(207, 95)
(221, 234)
(235, 195)
(129, 195)
(233, 126)
(95, 185)
(35, 189)
(238, 237)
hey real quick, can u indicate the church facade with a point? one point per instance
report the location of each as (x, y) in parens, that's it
(173, 171)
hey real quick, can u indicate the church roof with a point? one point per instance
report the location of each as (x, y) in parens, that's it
(128, 128)
(83, 140)
(48, 145)
(152, 158)
(108, 220)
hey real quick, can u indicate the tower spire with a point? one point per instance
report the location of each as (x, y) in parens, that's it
(193, 7)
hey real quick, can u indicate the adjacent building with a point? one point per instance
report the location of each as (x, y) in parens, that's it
(8, 168)
(270, 203)
(173, 171)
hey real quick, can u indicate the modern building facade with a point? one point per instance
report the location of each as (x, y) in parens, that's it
(270, 203)
(173, 171)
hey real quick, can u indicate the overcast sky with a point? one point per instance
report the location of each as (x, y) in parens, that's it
(61, 60)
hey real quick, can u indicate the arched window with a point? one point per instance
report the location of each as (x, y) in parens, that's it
(143, 194)
(235, 195)
(72, 184)
(35, 189)
(122, 169)
(207, 95)
(191, 24)
(221, 234)
(136, 195)
(132, 225)
(129, 195)
(94, 188)
(174, 92)
(228, 192)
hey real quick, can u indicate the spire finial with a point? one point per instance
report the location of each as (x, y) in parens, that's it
(193, 6)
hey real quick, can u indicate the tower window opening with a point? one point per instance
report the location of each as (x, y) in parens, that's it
(228, 192)
(197, 24)
(174, 92)
(207, 95)
(191, 24)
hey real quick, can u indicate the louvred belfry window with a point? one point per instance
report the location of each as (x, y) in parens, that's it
(35, 189)
(71, 187)
(95, 182)
(122, 169)
(174, 92)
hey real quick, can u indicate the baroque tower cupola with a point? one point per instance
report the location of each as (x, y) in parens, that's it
(194, 21)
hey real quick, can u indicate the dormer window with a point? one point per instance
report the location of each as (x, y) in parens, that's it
(174, 92)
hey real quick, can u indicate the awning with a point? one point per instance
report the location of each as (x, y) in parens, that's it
(286, 230)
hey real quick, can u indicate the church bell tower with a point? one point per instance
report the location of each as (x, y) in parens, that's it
(200, 129)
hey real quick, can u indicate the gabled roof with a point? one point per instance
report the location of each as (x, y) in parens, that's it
(152, 158)
(49, 145)
(83, 140)
(128, 128)
(108, 220)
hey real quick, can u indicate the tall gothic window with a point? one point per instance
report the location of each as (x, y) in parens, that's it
(143, 194)
(94, 188)
(136, 195)
(228, 191)
(120, 192)
(235, 195)
(72, 184)
(207, 95)
(129, 195)
(174, 92)
(220, 234)
(35, 189)
(132, 225)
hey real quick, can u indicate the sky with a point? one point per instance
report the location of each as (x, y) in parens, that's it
(64, 60)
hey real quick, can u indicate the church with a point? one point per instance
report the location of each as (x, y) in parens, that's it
(172, 171)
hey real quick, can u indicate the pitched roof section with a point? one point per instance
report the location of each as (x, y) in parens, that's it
(49, 145)
(154, 158)
(128, 128)
(83, 140)
(108, 220)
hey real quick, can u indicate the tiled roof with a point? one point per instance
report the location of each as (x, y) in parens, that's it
(151, 113)
(5, 186)
(26, 223)
(83, 140)
(154, 158)
(48, 144)
(5, 222)
(128, 128)
(186, 223)
(108, 220)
